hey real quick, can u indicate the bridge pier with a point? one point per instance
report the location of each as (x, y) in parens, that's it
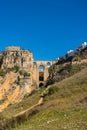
(37, 71)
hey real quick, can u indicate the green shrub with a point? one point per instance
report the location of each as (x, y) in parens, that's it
(16, 68)
(2, 101)
(24, 73)
(1, 57)
(52, 90)
(21, 72)
(2, 73)
(17, 81)
(76, 58)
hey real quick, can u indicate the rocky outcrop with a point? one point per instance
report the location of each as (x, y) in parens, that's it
(11, 92)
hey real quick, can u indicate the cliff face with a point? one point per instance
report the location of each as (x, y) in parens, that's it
(15, 80)
(7, 90)
(10, 91)
(13, 56)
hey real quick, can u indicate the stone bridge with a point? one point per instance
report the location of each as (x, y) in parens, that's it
(15, 56)
(40, 71)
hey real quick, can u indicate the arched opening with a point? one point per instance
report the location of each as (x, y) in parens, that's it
(34, 64)
(41, 68)
(48, 64)
(41, 85)
(41, 76)
(41, 73)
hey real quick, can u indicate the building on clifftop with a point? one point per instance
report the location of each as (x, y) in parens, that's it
(14, 56)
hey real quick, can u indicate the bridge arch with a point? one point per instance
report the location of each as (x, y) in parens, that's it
(34, 64)
(41, 68)
(40, 71)
(48, 64)
(41, 84)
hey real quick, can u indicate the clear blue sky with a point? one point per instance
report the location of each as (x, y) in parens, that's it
(48, 28)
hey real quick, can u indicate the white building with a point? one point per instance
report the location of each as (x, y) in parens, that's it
(70, 53)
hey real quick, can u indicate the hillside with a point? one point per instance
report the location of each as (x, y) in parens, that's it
(60, 105)
(67, 66)
(64, 108)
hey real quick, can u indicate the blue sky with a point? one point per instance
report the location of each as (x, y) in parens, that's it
(49, 28)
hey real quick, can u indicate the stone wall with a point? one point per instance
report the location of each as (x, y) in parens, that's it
(13, 48)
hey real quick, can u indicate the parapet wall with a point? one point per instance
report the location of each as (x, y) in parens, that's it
(12, 48)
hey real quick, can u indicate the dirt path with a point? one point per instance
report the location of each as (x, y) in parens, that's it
(40, 102)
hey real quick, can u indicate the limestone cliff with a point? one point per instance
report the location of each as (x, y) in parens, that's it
(10, 91)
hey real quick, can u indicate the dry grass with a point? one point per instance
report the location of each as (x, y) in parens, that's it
(65, 106)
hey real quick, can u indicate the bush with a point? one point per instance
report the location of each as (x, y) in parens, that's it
(2, 73)
(2, 101)
(52, 90)
(17, 81)
(16, 68)
(24, 73)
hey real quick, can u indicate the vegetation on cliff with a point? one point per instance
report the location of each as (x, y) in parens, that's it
(64, 68)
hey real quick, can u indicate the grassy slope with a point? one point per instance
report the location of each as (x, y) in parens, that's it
(65, 109)
(12, 110)
(62, 71)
